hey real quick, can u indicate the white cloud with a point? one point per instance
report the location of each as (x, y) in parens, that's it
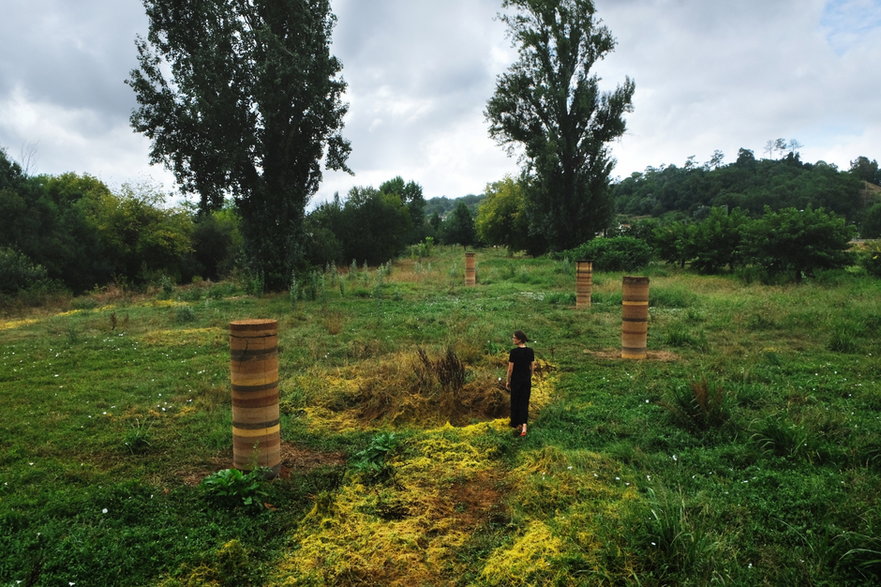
(708, 76)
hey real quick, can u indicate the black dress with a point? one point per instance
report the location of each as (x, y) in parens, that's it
(521, 383)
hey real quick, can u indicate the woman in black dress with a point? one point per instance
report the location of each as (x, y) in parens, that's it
(521, 364)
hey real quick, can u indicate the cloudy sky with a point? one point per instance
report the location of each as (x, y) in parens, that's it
(709, 75)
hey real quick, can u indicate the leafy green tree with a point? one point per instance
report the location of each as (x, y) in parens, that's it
(617, 253)
(866, 170)
(501, 217)
(73, 250)
(797, 242)
(411, 196)
(325, 232)
(376, 226)
(871, 227)
(371, 227)
(549, 103)
(216, 243)
(458, 227)
(714, 242)
(673, 242)
(140, 236)
(18, 272)
(244, 99)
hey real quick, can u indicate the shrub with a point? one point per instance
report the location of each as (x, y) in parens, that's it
(797, 242)
(620, 253)
(872, 259)
(185, 315)
(372, 462)
(18, 272)
(233, 488)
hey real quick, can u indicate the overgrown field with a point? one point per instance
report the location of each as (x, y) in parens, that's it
(745, 450)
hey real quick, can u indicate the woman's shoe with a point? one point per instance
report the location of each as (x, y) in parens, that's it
(523, 433)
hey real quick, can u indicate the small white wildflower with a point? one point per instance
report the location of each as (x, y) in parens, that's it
(104, 511)
(675, 458)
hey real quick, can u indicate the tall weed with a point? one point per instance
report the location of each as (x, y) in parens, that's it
(699, 407)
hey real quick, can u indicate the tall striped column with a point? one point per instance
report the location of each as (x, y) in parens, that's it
(635, 315)
(470, 272)
(583, 283)
(256, 431)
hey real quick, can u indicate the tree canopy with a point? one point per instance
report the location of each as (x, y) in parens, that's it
(501, 217)
(549, 104)
(748, 183)
(243, 99)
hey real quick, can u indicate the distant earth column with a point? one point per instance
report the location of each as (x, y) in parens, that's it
(635, 315)
(470, 272)
(583, 283)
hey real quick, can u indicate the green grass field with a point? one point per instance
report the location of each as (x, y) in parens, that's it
(745, 450)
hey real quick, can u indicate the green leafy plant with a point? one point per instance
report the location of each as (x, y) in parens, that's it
(371, 463)
(234, 488)
(619, 253)
(185, 315)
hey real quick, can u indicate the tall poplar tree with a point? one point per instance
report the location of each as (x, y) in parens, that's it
(243, 98)
(549, 104)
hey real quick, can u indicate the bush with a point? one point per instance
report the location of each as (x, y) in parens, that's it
(232, 488)
(18, 272)
(872, 259)
(372, 463)
(620, 253)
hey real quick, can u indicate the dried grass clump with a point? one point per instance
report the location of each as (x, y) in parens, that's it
(415, 387)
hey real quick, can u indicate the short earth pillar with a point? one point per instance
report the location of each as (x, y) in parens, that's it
(253, 346)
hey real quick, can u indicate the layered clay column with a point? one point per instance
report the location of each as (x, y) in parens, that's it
(470, 273)
(635, 316)
(256, 431)
(583, 283)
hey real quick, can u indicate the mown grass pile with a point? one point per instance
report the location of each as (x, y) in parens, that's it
(745, 450)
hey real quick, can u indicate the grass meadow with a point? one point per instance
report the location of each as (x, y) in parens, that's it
(745, 450)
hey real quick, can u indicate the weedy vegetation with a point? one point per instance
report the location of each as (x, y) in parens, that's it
(746, 449)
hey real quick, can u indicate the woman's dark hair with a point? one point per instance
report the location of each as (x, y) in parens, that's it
(521, 336)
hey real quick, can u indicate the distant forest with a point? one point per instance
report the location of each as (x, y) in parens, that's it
(442, 206)
(71, 232)
(750, 184)
(691, 190)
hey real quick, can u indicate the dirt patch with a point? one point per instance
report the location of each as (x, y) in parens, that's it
(615, 355)
(475, 501)
(294, 460)
(297, 459)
